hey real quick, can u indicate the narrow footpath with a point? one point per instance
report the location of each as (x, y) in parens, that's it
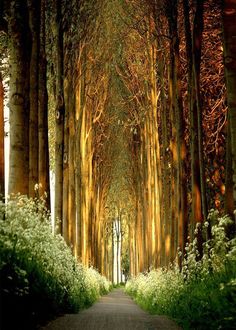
(115, 311)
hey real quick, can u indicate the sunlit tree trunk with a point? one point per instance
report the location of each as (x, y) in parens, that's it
(189, 56)
(164, 142)
(65, 193)
(60, 113)
(140, 250)
(96, 223)
(134, 249)
(79, 104)
(86, 152)
(180, 139)
(72, 164)
(113, 247)
(148, 194)
(121, 252)
(67, 152)
(84, 186)
(229, 186)
(197, 51)
(90, 187)
(199, 203)
(143, 246)
(19, 98)
(157, 246)
(117, 228)
(173, 143)
(193, 51)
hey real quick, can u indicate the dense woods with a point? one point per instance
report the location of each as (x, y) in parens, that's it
(137, 99)
(122, 146)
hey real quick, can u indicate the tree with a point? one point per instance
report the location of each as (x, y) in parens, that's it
(59, 116)
(19, 49)
(196, 105)
(229, 23)
(43, 148)
(134, 127)
(178, 146)
(3, 27)
(34, 25)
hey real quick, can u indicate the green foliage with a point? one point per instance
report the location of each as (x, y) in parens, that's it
(203, 294)
(118, 285)
(39, 275)
(125, 264)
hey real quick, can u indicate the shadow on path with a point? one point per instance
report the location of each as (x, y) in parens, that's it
(112, 312)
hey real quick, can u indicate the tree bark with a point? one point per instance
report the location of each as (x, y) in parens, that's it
(43, 158)
(197, 50)
(34, 24)
(60, 113)
(72, 165)
(19, 98)
(181, 145)
(192, 40)
(172, 87)
(229, 186)
(65, 206)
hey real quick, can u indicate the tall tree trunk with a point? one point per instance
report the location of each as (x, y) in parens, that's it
(113, 253)
(229, 24)
(117, 226)
(197, 50)
(72, 196)
(79, 101)
(189, 56)
(19, 98)
(196, 207)
(2, 172)
(34, 21)
(229, 186)
(60, 113)
(165, 175)
(173, 140)
(181, 145)
(65, 209)
(199, 202)
(43, 159)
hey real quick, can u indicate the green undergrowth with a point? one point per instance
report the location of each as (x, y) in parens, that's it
(39, 276)
(203, 294)
(118, 285)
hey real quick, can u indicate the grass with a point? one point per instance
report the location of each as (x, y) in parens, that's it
(200, 296)
(39, 276)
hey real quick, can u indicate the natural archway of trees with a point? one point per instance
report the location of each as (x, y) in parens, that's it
(133, 105)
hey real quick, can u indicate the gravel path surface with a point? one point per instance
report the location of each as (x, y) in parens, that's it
(115, 311)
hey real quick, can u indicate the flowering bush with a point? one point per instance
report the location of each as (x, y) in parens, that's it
(202, 295)
(156, 289)
(39, 275)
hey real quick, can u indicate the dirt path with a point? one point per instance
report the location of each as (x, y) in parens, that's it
(116, 311)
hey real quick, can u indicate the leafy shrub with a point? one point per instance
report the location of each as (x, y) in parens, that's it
(202, 295)
(39, 275)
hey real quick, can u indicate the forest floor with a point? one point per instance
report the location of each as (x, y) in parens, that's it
(112, 312)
